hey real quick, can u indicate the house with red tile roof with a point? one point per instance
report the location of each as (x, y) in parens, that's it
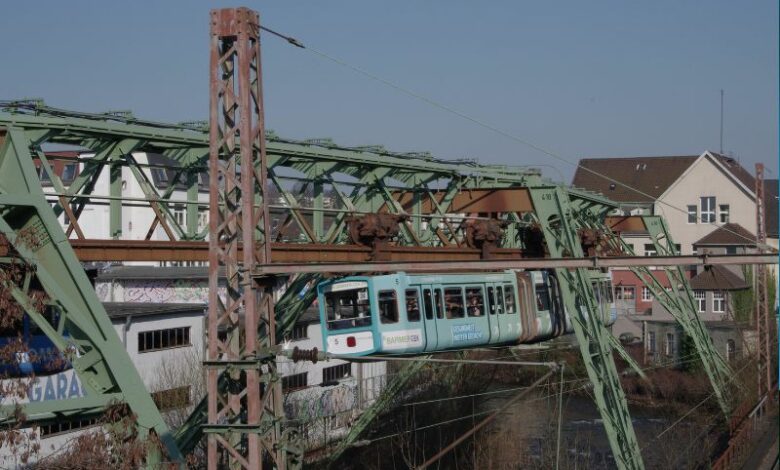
(708, 202)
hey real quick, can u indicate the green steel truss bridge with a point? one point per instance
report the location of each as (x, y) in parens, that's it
(359, 207)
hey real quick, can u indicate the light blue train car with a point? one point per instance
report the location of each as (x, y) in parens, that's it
(419, 313)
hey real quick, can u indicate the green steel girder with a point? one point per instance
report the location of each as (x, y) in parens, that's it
(375, 174)
(558, 217)
(101, 362)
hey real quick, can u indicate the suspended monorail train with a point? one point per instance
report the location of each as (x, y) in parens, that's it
(419, 313)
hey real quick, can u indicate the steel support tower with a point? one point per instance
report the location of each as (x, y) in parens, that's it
(763, 324)
(244, 416)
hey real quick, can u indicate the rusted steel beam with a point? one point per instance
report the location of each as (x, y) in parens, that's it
(139, 250)
(527, 263)
(472, 201)
(627, 224)
(308, 254)
(159, 250)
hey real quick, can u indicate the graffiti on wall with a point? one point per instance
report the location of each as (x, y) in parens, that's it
(187, 291)
(60, 386)
(317, 402)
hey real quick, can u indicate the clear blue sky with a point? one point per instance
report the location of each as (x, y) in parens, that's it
(607, 78)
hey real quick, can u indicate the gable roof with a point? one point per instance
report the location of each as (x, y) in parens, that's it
(739, 172)
(650, 175)
(728, 234)
(717, 277)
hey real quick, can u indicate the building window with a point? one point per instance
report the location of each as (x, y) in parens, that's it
(298, 333)
(650, 250)
(731, 350)
(647, 295)
(295, 382)
(669, 344)
(723, 211)
(629, 248)
(701, 300)
(708, 209)
(160, 177)
(172, 399)
(651, 342)
(65, 219)
(693, 214)
(156, 340)
(731, 250)
(66, 425)
(336, 373)
(179, 215)
(203, 220)
(718, 302)
(624, 293)
(388, 307)
(44, 175)
(69, 171)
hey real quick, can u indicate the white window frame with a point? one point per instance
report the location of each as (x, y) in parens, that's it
(701, 300)
(722, 213)
(622, 290)
(708, 206)
(693, 213)
(669, 344)
(719, 301)
(649, 252)
(647, 295)
(651, 342)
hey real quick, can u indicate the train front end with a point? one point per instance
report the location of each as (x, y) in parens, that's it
(345, 316)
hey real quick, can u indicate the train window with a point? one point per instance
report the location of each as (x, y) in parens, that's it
(542, 298)
(509, 298)
(428, 304)
(499, 299)
(439, 304)
(388, 306)
(475, 301)
(348, 309)
(412, 305)
(453, 299)
(491, 300)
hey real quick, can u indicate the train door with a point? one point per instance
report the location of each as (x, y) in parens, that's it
(527, 306)
(504, 328)
(429, 317)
